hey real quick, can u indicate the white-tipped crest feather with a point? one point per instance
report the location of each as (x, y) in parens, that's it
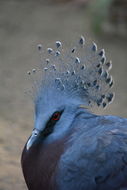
(80, 73)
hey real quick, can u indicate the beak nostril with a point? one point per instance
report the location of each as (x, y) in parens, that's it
(35, 132)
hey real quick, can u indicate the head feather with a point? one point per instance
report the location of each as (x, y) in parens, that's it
(80, 73)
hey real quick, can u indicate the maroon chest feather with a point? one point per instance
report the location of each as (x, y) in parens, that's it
(39, 165)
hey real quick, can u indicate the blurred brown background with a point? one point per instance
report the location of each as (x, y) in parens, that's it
(24, 24)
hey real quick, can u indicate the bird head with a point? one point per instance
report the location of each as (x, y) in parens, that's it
(67, 80)
(54, 113)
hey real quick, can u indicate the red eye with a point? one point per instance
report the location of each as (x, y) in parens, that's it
(56, 116)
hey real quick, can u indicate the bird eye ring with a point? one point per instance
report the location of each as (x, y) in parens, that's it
(56, 116)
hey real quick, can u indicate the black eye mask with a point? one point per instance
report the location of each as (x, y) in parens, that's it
(51, 123)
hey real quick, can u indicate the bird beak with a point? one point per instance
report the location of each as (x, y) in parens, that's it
(32, 138)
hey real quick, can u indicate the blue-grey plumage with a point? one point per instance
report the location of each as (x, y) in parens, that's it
(70, 147)
(96, 157)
